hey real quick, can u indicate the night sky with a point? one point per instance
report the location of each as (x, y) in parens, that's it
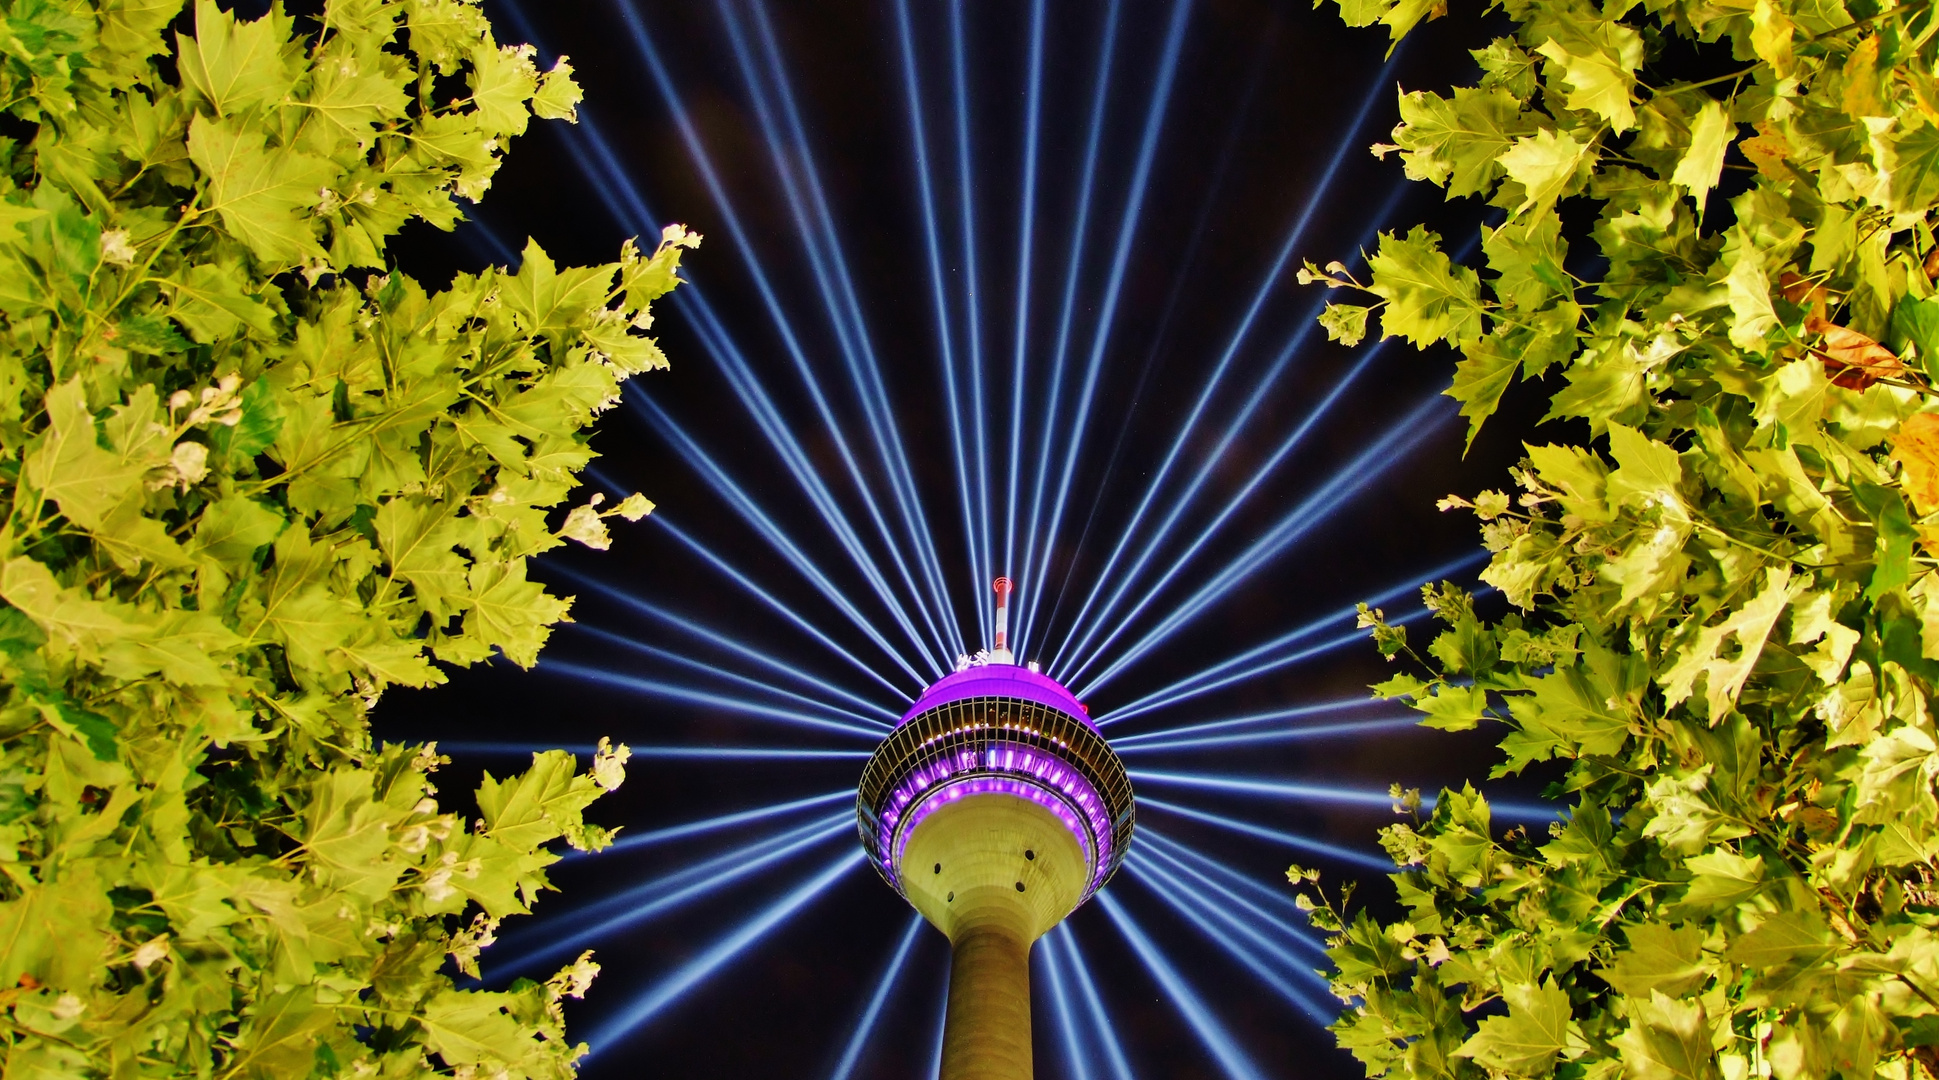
(1263, 99)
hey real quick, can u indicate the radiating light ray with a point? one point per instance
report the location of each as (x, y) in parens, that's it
(1062, 1011)
(1219, 925)
(1073, 263)
(1348, 139)
(1185, 500)
(633, 840)
(1223, 1047)
(1222, 674)
(1320, 503)
(670, 989)
(647, 753)
(760, 404)
(737, 497)
(665, 894)
(714, 338)
(768, 598)
(1323, 793)
(822, 248)
(715, 638)
(1304, 843)
(703, 162)
(1268, 904)
(490, 238)
(1101, 1025)
(691, 664)
(1350, 480)
(875, 398)
(1276, 910)
(1292, 712)
(1159, 336)
(979, 552)
(942, 1027)
(932, 242)
(1297, 734)
(1120, 260)
(1026, 250)
(1303, 938)
(884, 983)
(675, 692)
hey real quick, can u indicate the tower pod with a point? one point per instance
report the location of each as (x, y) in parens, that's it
(995, 808)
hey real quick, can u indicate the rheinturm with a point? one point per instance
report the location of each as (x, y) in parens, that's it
(995, 808)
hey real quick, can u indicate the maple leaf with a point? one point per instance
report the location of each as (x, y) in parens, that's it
(1851, 359)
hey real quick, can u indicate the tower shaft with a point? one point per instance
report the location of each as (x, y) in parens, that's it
(986, 1031)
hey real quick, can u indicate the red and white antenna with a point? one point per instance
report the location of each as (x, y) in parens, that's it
(1001, 652)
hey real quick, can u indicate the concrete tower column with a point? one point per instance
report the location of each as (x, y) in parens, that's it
(986, 1031)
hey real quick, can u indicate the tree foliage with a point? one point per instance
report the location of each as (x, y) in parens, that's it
(253, 478)
(1726, 624)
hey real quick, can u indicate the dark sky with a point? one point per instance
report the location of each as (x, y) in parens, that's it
(1262, 101)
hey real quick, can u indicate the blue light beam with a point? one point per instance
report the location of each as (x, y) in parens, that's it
(1349, 481)
(1101, 1025)
(1223, 1047)
(821, 243)
(1212, 382)
(1120, 261)
(774, 604)
(1323, 793)
(719, 640)
(1173, 892)
(1026, 250)
(1291, 712)
(675, 985)
(703, 162)
(1073, 263)
(884, 983)
(634, 840)
(675, 692)
(1304, 843)
(1355, 729)
(972, 318)
(1066, 1016)
(932, 240)
(737, 497)
(883, 424)
(670, 657)
(669, 893)
(1222, 674)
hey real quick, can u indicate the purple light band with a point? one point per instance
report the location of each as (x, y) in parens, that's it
(1000, 768)
(999, 681)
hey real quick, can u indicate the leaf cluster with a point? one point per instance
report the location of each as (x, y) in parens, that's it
(1726, 598)
(251, 478)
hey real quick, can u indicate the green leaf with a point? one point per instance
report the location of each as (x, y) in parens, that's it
(1547, 165)
(1720, 880)
(1703, 165)
(259, 193)
(1601, 75)
(235, 65)
(1428, 298)
(1457, 141)
(1480, 378)
(1666, 1040)
(1527, 1040)
(1660, 957)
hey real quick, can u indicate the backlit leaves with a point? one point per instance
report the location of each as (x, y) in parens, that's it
(249, 487)
(1724, 631)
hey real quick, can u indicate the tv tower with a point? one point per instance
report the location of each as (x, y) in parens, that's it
(995, 808)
